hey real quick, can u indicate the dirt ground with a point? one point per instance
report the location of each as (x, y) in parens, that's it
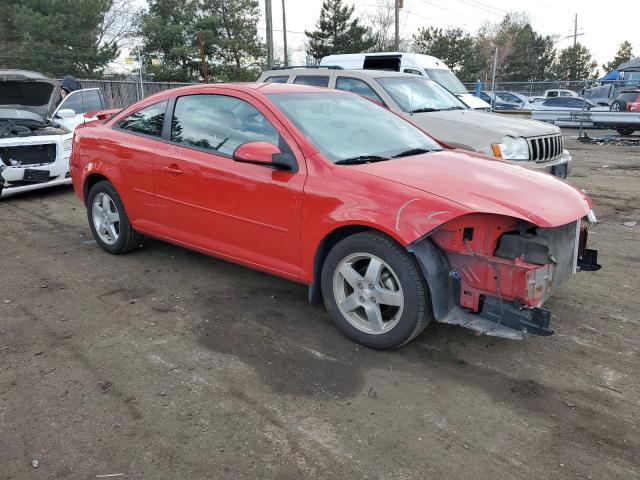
(167, 364)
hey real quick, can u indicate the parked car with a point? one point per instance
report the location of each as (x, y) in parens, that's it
(627, 101)
(564, 103)
(555, 92)
(35, 132)
(497, 102)
(442, 115)
(391, 229)
(513, 97)
(412, 63)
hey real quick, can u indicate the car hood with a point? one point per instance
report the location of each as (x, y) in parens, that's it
(495, 123)
(486, 185)
(26, 94)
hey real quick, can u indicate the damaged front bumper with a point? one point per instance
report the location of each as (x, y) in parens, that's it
(497, 285)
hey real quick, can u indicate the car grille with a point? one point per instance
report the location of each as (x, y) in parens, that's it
(23, 155)
(543, 149)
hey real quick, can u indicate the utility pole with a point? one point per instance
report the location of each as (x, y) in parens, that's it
(205, 67)
(493, 79)
(267, 14)
(575, 31)
(140, 71)
(396, 42)
(284, 34)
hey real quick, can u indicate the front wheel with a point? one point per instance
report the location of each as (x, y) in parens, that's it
(108, 220)
(374, 291)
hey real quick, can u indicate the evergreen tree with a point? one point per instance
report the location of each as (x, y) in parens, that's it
(231, 38)
(624, 54)
(168, 32)
(454, 47)
(575, 63)
(64, 36)
(336, 32)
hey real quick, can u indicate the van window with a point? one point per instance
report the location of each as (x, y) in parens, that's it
(277, 79)
(358, 86)
(412, 71)
(313, 80)
(382, 62)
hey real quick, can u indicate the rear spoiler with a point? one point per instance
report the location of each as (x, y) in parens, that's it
(102, 114)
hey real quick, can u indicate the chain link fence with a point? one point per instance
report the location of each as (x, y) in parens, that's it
(534, 89)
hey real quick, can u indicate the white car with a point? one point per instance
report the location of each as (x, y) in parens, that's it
(35, 133)
(555, 92)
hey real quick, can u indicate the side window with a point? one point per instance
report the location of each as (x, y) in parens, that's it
(92, 100)
(552, 94)
(82, 101)
(147, 121)
(277, 79)
(220, 124)
(358, 86)
(413, 71)
(565, 94)
(313, 80)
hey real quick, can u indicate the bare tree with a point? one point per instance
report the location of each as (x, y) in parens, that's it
(380, 22)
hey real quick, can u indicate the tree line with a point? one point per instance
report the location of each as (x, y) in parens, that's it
(173, 39)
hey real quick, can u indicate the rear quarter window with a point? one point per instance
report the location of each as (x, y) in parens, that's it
(312, 80)
(277, 79)
(147, 121)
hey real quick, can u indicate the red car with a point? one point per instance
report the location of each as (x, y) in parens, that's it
(391, 229)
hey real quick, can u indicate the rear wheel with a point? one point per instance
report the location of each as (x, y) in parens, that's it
(374, 291)
(618, 106)
(109, 222)
(625, 130)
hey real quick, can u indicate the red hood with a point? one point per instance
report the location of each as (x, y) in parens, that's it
(486, 185)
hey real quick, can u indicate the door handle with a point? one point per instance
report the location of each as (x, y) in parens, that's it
(172, 170)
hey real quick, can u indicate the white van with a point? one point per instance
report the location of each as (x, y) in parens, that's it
(416, 63)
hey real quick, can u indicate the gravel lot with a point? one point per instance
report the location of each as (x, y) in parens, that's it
(166, 364)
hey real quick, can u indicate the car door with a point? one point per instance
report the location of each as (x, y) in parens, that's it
(133, 143)
(245, 212)
(80, 101)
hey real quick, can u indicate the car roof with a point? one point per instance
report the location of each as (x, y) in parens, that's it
(323, 72)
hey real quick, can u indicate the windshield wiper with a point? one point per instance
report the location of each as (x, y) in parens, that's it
(412, 151)
(361, 159)
(424, 109)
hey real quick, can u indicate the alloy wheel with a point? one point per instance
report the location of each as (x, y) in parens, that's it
(368, 293)
(106, 218)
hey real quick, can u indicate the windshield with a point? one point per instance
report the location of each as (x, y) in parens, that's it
(416, 94)
(344, 126)
(447, 79)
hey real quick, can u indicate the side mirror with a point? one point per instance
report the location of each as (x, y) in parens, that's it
(264, 153)
(66, 113)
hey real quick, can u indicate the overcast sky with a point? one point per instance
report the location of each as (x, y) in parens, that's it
(603, 25)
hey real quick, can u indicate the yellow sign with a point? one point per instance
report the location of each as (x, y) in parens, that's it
(129, 60)
(155, 61)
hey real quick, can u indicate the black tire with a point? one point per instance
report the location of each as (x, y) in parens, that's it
(416, 313)
(128, 239)
(625, 130)
(618, 106)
